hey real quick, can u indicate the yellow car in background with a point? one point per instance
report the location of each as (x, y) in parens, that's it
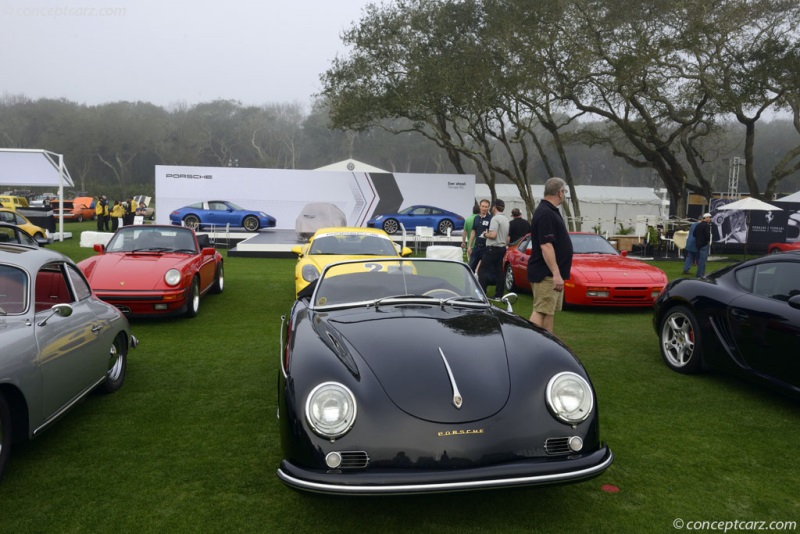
(12, 203)
(331, 245)
(12, 217)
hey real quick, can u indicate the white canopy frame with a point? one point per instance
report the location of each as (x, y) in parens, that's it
(14, 166)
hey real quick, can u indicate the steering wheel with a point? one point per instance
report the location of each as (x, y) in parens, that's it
(441, 293)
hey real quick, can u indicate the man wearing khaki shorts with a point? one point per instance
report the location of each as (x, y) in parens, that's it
(551, 255)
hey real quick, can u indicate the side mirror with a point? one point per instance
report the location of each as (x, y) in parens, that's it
(62, 310)
(794, 302)
(297, 249)
(623, 253)
(209, 251)
(99, 248)
(406, 252)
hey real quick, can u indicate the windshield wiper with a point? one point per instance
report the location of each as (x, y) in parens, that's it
(401, 297)
(151, 249)
(460, 298)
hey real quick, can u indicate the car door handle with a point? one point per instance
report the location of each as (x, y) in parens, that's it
(97, 328)
(739, 314)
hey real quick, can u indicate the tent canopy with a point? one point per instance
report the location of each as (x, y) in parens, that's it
(794, 197)
(350, 165)
(606, 207)
(32, 168)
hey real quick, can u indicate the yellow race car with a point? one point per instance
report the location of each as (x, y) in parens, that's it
(331, 245)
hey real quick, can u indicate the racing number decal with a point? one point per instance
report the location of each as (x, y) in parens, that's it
(373, 267)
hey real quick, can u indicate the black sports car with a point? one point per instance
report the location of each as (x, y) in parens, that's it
(402, 377)
(744, 318)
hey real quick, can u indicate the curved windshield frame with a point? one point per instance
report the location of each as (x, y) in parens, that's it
(141, 238)
(390, 281)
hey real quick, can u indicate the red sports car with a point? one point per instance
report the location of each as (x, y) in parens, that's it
(773, 248)
(600, 275)
(152, 271)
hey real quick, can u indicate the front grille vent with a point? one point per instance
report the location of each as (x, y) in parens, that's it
(354, 460)
(557, 446)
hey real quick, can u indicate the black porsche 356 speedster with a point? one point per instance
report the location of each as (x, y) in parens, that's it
(400, 376)
(744, 319)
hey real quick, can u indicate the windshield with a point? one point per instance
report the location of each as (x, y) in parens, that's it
(350, 244)
(13, 290)
(395, 281)
(139, 238)
(591, 244)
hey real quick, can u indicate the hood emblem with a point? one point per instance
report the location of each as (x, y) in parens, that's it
(457, 400)
(122, 283)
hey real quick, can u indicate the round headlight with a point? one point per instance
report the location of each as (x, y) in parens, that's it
(173, 277)
(331, 410)
(570, 397)
(310, 273)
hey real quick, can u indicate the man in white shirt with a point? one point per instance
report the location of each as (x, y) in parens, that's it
(496, 242)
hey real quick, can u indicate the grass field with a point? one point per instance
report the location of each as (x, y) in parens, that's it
(190, 443)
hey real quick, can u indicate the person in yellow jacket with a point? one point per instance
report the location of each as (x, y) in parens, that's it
(117, 212)
(101, 210)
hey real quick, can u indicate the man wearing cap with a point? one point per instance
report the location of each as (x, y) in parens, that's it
(496, 241)
(517, 227)
(702, 242)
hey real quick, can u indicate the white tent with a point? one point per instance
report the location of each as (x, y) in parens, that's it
(794, 197)
(350, 165)
(604, 207)
(35, 168)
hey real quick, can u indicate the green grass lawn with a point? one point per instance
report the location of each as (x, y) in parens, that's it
(190, 443)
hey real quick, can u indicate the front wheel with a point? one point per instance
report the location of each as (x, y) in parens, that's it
(79, 218)
(193, 304)
(680, 340)
(444, 226)
(250, 224)
(390, 226)
(191, 221)
(219, 281)
(5, 434)
(117, 365)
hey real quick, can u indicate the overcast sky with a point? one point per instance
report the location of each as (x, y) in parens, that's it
(165, 52)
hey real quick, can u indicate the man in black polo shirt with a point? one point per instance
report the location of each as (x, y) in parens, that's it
(551, 255)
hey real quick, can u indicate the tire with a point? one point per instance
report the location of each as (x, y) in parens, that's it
(117, 365)
(192, 221)
(775, 250)
(251, 224)
(5, 434)
(79, 218)
(193, 304)
(510, 285)
(444, 224)
(391, 226)
(38, 235)
(680, 342)
(219, 280)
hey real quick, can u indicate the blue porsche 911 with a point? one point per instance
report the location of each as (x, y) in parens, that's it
(220, 213)
(413, 216)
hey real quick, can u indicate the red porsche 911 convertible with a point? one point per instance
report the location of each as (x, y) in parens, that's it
(152, 270)
(600, 275)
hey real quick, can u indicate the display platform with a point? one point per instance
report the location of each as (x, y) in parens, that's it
(279, 243)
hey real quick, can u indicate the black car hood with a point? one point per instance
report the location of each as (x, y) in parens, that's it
(402, 348)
